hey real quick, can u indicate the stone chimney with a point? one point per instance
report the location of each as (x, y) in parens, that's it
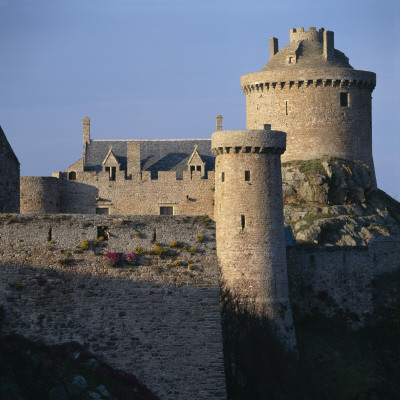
(219, 122)
(133, 159)
(273, 47)
(86, 129)
(329, 46)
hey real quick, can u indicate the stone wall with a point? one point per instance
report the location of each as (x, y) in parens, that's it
(339, 281)
(140, 195)
(9, 177)
(160, 322)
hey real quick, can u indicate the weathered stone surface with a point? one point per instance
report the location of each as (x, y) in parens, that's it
(331, 201)
(160, 321)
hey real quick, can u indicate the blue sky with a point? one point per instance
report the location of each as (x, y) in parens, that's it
(166, 68)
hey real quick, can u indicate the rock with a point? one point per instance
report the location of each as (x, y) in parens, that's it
(92, 363)
(93, 395)
(58, 392)
(77, 386)
(103, 391)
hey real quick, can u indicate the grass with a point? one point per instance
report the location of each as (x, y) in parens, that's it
(309, 220)
(307, 166)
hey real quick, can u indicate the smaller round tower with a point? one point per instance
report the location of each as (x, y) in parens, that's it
(249, 218)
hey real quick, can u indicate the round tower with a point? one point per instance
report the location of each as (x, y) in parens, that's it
(249, 220)
(310, 91)
(39, 195)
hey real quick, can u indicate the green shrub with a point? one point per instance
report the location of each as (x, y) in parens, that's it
(138, 235)
(175, 244)
(191, 267)
(177, 263)
(192, 250)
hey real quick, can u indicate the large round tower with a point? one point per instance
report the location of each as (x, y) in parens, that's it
(249, 219)
(310, 91)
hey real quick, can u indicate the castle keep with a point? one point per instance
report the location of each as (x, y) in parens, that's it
(310, 91)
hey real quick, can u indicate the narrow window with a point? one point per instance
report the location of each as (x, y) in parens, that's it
(72, 176)
(222, 176)
(192, 168)
(113, 173)
(247, 176)
(290, 60)
(198, 168)
(344, 99)
(286, 107)
(50, 238)
(257, 106)
(243, 221)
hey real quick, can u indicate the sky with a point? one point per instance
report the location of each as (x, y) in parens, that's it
(155, 69)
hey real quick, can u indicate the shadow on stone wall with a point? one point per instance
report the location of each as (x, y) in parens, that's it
(167, 335)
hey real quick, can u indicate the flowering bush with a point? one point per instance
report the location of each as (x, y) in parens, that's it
(112, 259)
(130, 258)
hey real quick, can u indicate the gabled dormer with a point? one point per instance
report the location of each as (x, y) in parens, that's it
(196, 163)
(110, 164)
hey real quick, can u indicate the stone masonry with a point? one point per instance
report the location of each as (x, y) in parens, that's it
(249, 218)
(160, 322)
(310, 91)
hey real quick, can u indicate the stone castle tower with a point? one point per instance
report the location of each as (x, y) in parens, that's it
(249, 219)
(310, 91)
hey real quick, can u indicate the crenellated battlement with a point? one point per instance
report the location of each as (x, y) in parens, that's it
(312, 35)
(249, 141)
(296, 84)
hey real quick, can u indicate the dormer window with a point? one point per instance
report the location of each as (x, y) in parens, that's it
(110, 165)
(112, 171)
(291, 59)
(196, 164)
(72, 176)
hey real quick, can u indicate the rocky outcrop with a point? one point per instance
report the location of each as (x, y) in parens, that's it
(333, 202)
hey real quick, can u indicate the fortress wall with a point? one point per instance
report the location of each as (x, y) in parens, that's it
(166, 332)
(189, 196)
(340, 281)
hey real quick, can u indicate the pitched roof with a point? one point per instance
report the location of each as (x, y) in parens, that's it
(309, 55)
(5, 143)
(155, 155)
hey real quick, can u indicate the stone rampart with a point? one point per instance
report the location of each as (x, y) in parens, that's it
(160, 322)
(339, 281)
(92, 192)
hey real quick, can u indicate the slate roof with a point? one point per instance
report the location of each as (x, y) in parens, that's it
(155, 155)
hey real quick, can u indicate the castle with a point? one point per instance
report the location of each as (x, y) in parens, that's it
(307, 102)
(308, 90)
